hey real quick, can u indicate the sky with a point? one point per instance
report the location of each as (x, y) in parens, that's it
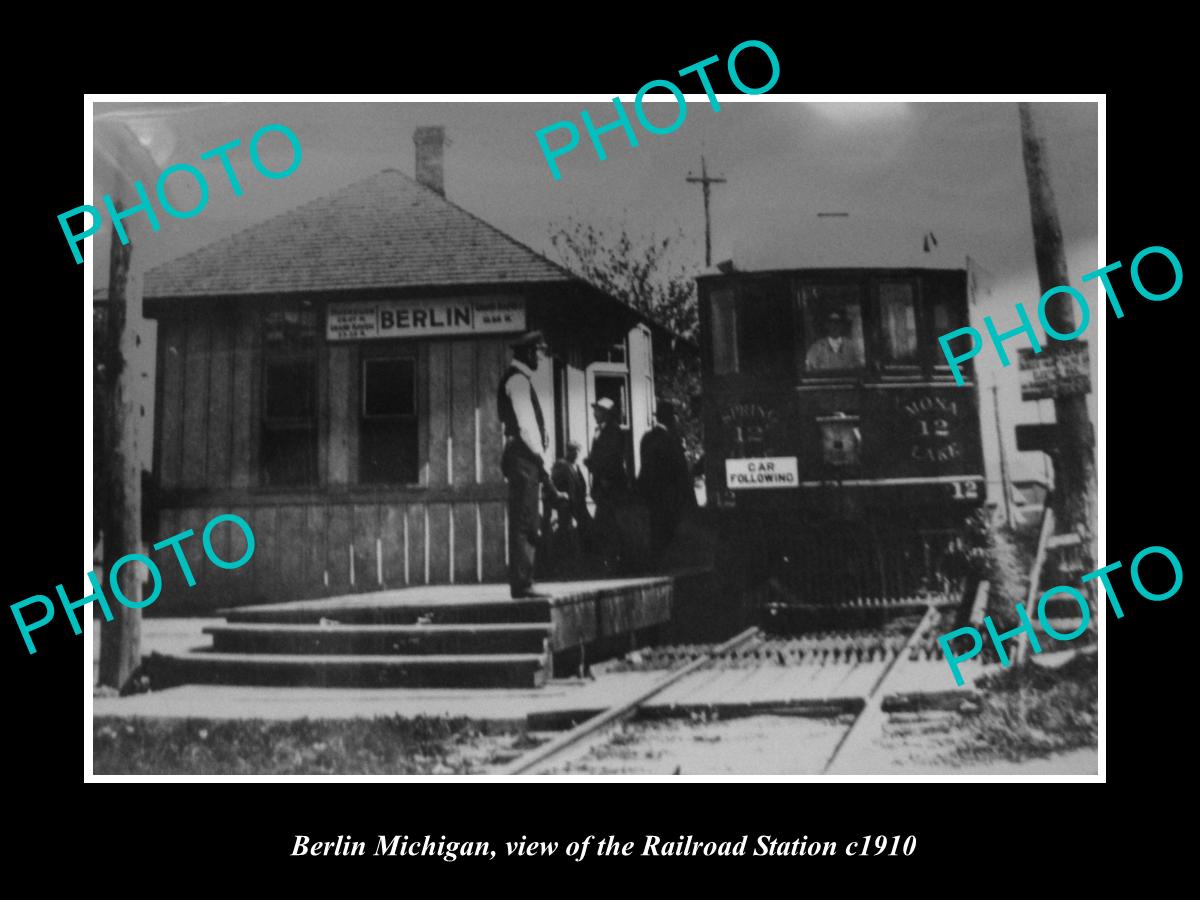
(898, 169)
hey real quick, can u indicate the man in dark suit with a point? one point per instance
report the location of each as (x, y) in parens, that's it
(573, 521)
(665, 482)
(523, 461)
(610, 481)
(569, 479)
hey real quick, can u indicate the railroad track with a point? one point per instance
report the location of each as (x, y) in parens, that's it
(590, 732)
(871, 710)
(750, 649)
(819, 648)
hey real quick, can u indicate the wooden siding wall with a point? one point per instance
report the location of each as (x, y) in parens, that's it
(310, 541)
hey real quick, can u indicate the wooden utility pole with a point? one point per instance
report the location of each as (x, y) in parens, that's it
(1004, 484)
(704, 181)
(1075, 464)
(120, 639)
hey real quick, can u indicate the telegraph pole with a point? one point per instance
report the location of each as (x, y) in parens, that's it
(1004, 484)
(704, 181)
(120, 639)
(1075, 466)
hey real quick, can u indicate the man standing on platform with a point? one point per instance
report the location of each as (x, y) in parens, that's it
(523, 462)
(665, 483)
(573, 527)
(610, 483)
(570, 480)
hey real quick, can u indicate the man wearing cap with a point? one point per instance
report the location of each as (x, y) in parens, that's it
(610, 481)
(836, 350)
(523, 462)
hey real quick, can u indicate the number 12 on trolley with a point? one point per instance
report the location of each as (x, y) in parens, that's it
(965, 490)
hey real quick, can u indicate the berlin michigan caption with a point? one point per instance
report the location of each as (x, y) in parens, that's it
(652, 845)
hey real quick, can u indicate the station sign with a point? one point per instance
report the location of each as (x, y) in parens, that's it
(424, 318)
(763, 472)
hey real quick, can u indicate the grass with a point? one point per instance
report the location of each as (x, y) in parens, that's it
(1033, 711)
(380, 746)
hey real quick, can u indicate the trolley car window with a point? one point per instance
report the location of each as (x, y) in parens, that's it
(751, 329)
(764, 329)
(941, 317)
(898, 313)
(945, 318)
(724, 333)
(833, 327)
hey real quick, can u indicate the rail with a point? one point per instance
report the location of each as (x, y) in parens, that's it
(591, 728)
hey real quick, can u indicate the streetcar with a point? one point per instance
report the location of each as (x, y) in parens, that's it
(842, 457)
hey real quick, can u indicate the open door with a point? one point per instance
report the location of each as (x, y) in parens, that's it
(612, 381)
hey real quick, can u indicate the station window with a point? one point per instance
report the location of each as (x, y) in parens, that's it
(898, 320)
(833, 328)
(388, 428)
(614, 354)
(288, 448)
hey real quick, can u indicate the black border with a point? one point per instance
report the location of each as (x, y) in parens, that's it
(966, 832)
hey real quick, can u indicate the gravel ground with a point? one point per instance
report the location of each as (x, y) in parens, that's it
(939, 743)
(754, 745)
(947, 743)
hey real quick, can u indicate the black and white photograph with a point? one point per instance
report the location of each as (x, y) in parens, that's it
(493, 437)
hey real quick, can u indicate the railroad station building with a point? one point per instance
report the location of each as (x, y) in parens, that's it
(330, 375)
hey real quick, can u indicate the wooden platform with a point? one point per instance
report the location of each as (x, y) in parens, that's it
(430, 636)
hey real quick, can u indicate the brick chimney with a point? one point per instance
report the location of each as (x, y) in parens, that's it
(430, 141)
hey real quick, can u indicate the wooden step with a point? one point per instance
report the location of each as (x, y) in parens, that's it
(292, 670)
(380, 640)
(366, 611)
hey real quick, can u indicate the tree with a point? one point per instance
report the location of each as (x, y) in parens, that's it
(640, 272)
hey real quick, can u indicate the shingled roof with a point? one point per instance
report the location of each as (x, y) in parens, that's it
(386, 231)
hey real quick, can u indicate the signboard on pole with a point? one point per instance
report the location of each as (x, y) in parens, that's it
(1041, 437)
(1061, 371)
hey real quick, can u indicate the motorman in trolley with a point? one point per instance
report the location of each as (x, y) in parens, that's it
(523, 462)
(837, 349)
